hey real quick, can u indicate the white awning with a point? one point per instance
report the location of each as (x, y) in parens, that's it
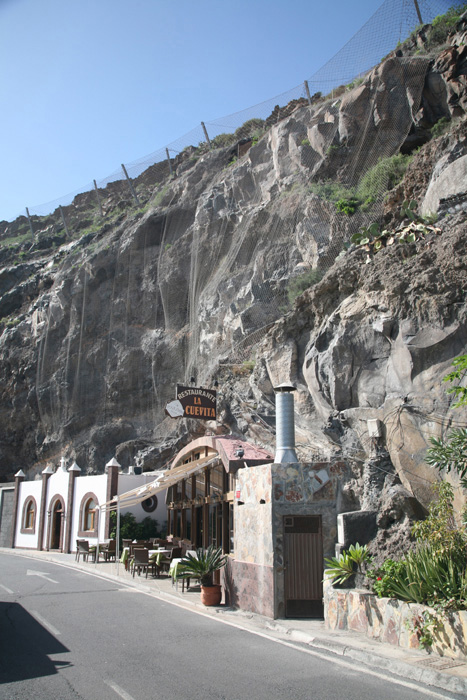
(164, 480)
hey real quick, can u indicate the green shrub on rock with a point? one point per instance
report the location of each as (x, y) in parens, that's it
(298, 285)
(443, 24)
(223, 140)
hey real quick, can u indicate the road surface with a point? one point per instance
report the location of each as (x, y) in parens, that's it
(66, 634)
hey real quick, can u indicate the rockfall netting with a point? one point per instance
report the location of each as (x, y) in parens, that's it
(238, 229)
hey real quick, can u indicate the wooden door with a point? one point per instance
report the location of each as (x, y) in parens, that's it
(57, 522)
(303, 559)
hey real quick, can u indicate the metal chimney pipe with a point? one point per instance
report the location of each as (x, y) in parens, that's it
(285, 427)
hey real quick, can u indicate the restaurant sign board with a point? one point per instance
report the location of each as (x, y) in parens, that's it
(193, 402)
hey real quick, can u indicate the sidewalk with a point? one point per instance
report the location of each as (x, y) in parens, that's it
(414, 666)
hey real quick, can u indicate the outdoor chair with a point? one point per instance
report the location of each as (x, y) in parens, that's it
(131, 555)
(77, 549)
(86, 551)
(141, 561)
(137, 544)
(108, 550)
(186, 546)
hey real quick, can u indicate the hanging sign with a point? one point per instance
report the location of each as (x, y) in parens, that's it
(193, 402)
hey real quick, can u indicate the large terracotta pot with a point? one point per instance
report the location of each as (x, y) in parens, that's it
(211, 595)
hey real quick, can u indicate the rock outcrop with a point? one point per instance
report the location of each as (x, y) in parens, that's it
(97, 330)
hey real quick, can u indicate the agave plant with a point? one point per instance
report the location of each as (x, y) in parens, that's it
(203, 564)
(341, 568)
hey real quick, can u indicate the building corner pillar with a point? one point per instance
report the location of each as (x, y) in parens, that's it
(73, 472)
(19, 478)
(113, 469)
(47, 472)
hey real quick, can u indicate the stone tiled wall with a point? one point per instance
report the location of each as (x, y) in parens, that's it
(303, 489)
(252, 521)
(7, 499)
(391, 621)
(265, 495)
(307, 489)
(249, 587)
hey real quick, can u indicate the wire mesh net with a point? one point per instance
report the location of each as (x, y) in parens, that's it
(199, 285)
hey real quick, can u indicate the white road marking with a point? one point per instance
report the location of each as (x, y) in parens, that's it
(331, 659)
(45, 623)
(41, 574)
(6, 589)
(116, 688)
(352, 666)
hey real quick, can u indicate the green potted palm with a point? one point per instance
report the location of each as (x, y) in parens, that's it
(202, 566)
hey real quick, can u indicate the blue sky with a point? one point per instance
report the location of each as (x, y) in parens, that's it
(89, 84)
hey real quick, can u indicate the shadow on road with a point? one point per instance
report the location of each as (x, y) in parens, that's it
(25, 645)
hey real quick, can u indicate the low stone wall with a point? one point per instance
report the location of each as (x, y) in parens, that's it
(384, 620)
(249, 587)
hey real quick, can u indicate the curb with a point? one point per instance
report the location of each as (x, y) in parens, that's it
(403, 669)
(351, 651)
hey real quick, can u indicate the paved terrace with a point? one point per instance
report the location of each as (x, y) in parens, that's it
(348, 648)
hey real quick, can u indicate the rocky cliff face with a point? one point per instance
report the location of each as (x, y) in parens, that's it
(98, 328)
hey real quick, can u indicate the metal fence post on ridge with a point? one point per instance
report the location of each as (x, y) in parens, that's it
(98, 199)
(64, 221)
(30, 223)
(170, 164)
(130, 185)
(206, 135)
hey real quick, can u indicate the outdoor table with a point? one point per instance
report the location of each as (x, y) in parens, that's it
(175, 566)
(173, 570)
(125, 554)
(157, 554)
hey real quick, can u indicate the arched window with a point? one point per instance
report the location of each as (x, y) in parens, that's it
(88, 517)
(28, 523)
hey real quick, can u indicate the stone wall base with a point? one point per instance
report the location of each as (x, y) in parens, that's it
(249, 587)
(385, 620)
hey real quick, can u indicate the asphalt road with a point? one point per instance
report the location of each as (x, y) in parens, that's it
(69, 635)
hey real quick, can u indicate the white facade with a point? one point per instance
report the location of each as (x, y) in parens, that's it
(127, 482)
(27, 489)
(68, 495)
(84, 485)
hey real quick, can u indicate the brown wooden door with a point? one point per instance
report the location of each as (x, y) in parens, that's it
(303, 559)
(57, 522)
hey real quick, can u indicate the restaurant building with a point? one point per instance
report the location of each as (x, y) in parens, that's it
(274, 517)
(275, 520)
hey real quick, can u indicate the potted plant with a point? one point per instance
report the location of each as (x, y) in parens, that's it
(202, 566)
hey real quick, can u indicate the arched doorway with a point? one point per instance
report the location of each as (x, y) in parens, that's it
(57, 518)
